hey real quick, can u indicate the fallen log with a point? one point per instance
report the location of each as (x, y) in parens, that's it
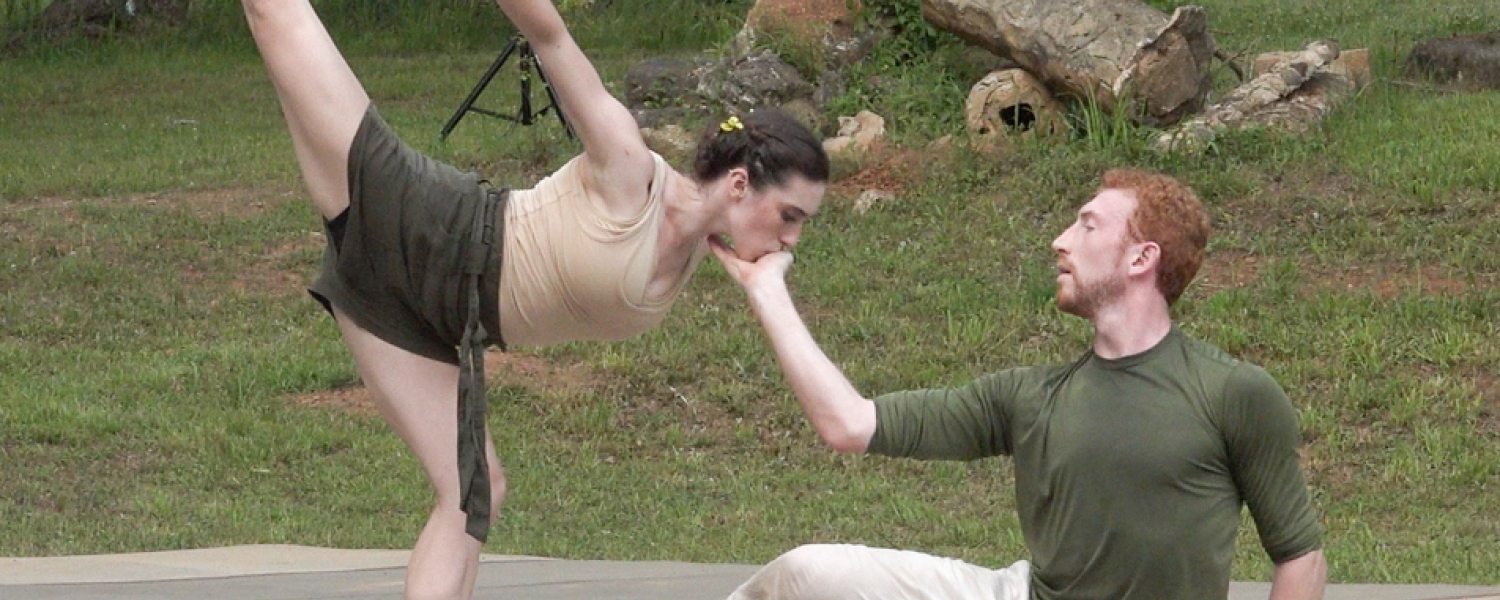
(1120, 54)
(1292, 94)
(1012, 101)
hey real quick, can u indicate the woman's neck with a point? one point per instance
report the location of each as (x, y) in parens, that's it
(690, 213)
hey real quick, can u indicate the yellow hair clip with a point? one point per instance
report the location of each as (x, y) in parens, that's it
(732, 124)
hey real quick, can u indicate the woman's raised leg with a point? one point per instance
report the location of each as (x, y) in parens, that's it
(324, 104)
(419, 398)
(320, 96)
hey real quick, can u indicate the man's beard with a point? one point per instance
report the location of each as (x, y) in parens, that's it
(1088, 297)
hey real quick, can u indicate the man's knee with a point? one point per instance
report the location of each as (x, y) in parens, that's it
(809, 572)
(812, 557)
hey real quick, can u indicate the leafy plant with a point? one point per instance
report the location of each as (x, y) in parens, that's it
(1108, 130)
(911, 36)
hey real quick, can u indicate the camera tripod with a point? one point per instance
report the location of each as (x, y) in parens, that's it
(525, 115)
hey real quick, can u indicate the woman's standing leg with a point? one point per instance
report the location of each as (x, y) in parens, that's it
(419, 398)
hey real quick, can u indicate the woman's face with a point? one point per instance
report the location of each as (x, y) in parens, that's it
(770, 220)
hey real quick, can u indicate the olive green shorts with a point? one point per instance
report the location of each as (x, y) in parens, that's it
(395, 259)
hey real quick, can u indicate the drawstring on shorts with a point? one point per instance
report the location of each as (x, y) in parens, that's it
(473, 467)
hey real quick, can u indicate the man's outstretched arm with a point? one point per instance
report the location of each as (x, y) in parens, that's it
(843, 418)
(1301, 578)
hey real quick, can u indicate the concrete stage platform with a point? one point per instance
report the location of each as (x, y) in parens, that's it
(276, 572)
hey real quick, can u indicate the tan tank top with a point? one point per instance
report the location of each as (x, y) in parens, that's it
(572, 272)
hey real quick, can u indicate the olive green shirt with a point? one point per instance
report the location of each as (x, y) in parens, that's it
(1130, 473)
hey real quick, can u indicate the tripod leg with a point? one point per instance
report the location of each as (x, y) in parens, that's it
(526, 117)
(552, 98)
(468, 102)
(552, 95)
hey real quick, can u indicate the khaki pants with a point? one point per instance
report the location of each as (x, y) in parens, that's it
(849, 572)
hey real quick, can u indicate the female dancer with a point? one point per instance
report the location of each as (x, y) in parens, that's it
(425, 265)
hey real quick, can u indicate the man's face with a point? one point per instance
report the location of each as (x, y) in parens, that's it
(1092, 260)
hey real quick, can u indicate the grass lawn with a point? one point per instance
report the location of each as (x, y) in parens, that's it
(165, 382)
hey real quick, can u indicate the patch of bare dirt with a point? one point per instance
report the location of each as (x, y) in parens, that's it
(1312, 184)
(1281, 199)
(355, 399)
(531, 372)
(275, 272)
(57, 478)
(16, 234)
(234, 202)
(876, 177)
(821, 11)
(1329, 472)
(536, 373)
(1229, 269)
(1390, 281)
(1488, 384)
(883, 169)
(1232, 269)
(806, 20)
(272, 273)
(1292, 200)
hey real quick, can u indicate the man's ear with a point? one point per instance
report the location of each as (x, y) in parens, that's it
(1147, 257)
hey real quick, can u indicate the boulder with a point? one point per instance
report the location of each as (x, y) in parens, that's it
(660, 82)
(649, 118)
(805, 111)
(671, 141)
(665, 89)
(857, 134)
(761, 79)
(1471, 61)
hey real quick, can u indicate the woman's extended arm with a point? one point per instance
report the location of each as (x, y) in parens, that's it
(620, 165)
(843, 418)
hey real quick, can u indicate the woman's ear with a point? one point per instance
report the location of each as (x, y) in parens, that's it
(739, 183)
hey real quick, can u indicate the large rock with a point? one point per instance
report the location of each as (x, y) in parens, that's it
(667, 115)
(762, 79)
(1469, 61)
(667, 87)
(857, 134)
(807, 112)
(1121, 54)
(662, 82)
(671, 141)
